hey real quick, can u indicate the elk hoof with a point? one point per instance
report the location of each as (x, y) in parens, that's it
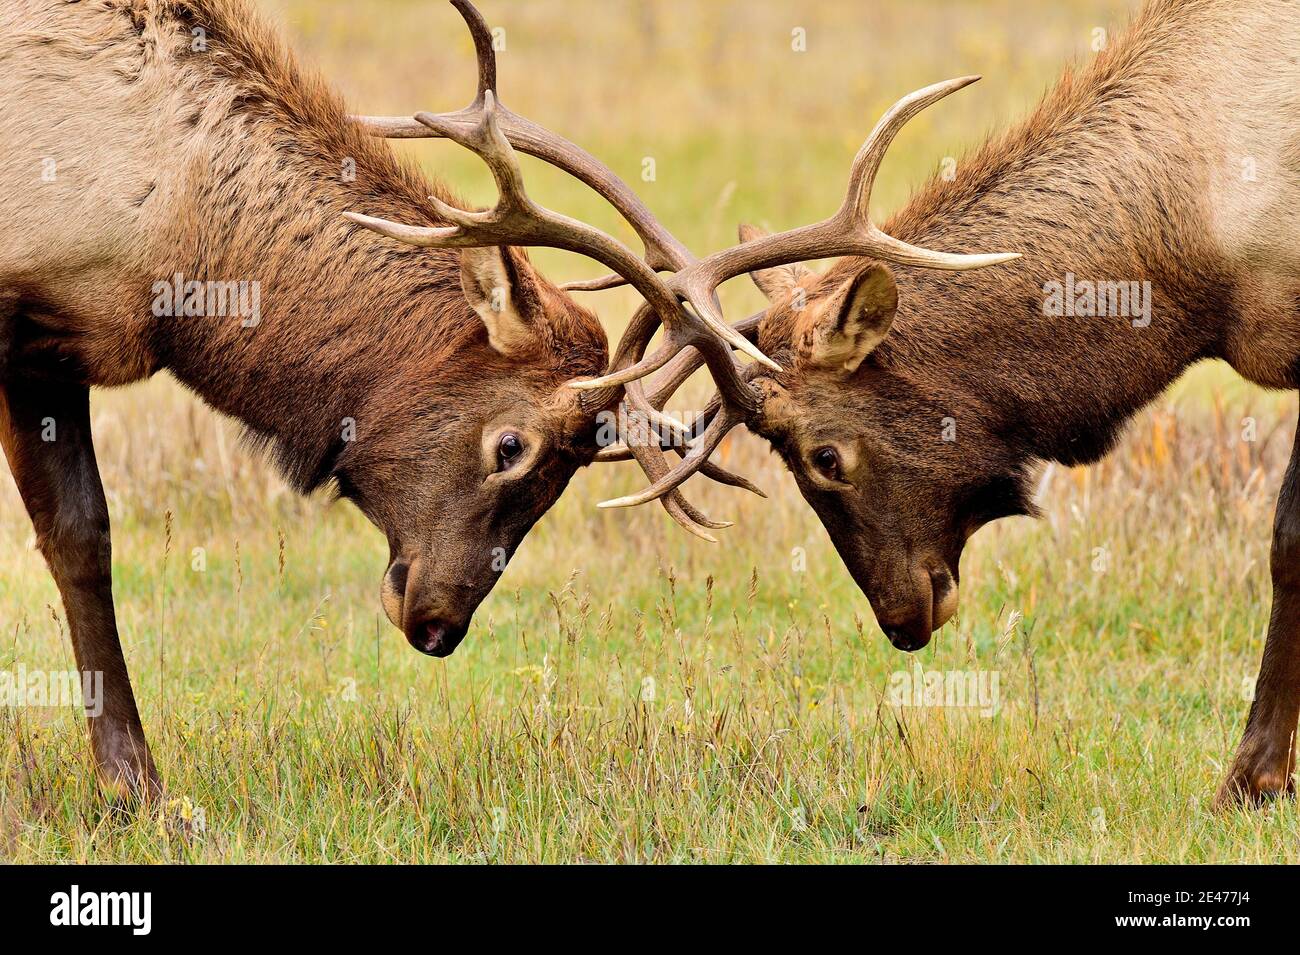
(126, 771)
(1249, 786)
(130, 787)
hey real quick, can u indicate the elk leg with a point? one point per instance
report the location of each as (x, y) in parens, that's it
(45, 431)
(1265, 759)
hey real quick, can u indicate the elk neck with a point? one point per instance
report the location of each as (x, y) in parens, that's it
(1116, 189)
(326, 316)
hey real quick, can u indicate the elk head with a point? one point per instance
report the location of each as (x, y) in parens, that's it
(873, 447)
(529, 409)
(497, 436)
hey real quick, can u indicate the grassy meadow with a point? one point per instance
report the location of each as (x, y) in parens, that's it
(631, 694)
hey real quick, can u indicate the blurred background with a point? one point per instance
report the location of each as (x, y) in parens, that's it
(1125, 625)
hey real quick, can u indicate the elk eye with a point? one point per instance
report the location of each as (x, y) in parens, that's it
(509, 448)
(827, 461)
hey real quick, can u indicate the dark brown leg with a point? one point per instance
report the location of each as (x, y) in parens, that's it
(1266, 757)
(45, 430)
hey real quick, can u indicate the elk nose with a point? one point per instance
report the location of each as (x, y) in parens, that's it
(437, 638)
(903, 640)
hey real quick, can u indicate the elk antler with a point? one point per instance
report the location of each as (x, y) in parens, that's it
(491, 130)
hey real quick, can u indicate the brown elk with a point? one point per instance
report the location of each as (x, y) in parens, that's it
(166, 163)
(915, 406)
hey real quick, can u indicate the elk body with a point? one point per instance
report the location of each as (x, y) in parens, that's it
(176, 196)
(915, 405)
(135, 162)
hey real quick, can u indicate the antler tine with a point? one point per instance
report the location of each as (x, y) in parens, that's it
(645, 447)
(718, 419)
(710, 333)
(715, 472)
(688, 361)
(684, 364)
(642, 444)
(680, 436)
(719, 474)
(483, 51)
(694, 459)
(713, 341)
(679, 509)
(518, 220)
(673, 375)
(595, 285)
(663, 251)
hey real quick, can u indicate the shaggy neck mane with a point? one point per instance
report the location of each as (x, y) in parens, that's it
(267, 162)
(1100, 183)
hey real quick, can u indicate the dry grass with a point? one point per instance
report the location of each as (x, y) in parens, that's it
(669, 700)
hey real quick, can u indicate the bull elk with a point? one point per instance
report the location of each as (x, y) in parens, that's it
(1160, 197)
(178, 195)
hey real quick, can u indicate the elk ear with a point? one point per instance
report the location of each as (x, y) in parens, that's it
(500, 286)
(836, 332)
(778, 281)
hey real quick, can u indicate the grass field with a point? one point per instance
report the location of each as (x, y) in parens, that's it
(629, 693)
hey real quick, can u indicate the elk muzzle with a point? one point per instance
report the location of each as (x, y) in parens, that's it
(909, 611)
(434, 617)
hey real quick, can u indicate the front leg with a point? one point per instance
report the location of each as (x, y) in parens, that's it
(1265, 759)
(45, 431)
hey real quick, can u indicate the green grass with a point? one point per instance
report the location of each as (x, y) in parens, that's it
(628, 693)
